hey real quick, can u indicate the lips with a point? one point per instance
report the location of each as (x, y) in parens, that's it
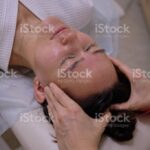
(59, 30)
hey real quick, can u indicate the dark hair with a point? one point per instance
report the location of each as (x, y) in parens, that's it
(120, 130)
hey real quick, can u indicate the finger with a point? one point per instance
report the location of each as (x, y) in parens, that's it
(122, 106)
(52, 102)
(51, 115)
(102, 122)
(122, 67)
(50, 105)
(61, 97)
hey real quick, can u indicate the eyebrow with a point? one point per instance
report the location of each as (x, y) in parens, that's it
(70, 57)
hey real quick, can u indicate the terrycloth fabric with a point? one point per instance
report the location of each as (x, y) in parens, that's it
(8, 17)
(76, 13)
(16, 97)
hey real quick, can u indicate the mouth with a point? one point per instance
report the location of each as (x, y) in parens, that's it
(59, 30)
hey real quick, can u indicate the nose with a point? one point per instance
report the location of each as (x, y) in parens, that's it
(67, 37)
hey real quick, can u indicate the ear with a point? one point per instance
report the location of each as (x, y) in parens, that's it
(39, 91)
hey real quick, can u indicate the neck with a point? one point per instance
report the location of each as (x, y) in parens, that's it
(23, 48)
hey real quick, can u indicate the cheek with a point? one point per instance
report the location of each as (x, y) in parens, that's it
(50, 54)
(92, 62)
(84, 39)
(54, 50)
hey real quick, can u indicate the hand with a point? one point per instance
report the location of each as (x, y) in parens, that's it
(74, 129)
(140, 89)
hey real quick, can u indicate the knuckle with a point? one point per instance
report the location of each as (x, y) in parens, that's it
(70, 114)
(74, 109)
(63, 117)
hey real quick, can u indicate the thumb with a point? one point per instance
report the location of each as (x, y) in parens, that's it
(102, 122)
(120, 106)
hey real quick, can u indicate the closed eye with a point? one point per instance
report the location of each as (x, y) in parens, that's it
(71, 67)
(89, 47)
(94, 51)
(64, 60)
(98, 51)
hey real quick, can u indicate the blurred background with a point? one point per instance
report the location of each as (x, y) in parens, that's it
(134, 49)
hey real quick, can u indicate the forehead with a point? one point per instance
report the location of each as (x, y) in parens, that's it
(103, 77)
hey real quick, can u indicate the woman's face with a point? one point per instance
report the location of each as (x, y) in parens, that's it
(72, 60)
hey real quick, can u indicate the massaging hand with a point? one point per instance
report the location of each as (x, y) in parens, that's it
(74, 129)
(140, 89)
